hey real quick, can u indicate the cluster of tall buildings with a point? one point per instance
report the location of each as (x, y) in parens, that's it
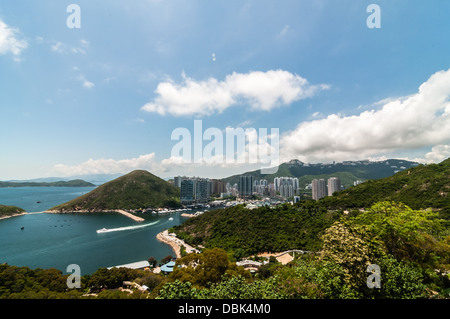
(194, 190)
(287, 186)
(320, 188)
(284, 186)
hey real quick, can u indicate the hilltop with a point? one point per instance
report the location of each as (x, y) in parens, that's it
(348, 171)
(136, 190)
(424, 186)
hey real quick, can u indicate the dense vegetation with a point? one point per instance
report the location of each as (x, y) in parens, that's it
(411, 248)
(423, 186)
(265, 229)
(73, 183)
(136, 190)
(10, 210)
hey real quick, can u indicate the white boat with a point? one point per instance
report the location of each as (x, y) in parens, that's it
(103, 230)
(170, 218)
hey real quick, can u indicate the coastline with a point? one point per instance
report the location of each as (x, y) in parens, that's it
(120, 211)
(175, 243)
(15, 215)
(165, 238)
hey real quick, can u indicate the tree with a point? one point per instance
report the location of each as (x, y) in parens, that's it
(351, 249)
(407, 234)
(206, 268)
(152, 261)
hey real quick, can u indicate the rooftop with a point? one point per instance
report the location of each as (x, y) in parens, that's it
(136, 265)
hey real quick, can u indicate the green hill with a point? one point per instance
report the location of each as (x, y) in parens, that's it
(424, 186)
(264, 229)
(136, 190)
(349, 170)
(73, 183)
(10, 210)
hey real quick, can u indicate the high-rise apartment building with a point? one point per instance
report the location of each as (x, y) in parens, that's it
(245, 186)
(334, 185)
(319, 189)
(194, 190)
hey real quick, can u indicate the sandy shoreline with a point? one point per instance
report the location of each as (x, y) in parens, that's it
(175, 243)
(165, 238)
(9, 216)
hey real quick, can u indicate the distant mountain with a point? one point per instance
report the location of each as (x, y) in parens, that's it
(348, 171)
(96, 179)
(73, 183)
(136, 190)
(424, 186)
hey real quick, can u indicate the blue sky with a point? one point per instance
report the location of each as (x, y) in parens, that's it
(106, 97)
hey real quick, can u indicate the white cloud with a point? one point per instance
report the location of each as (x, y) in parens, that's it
(406, 123)
(108, 166)
(9, 43)
(437, 154)
(261, 90)
(284, 31)
(62, 48)
(88, 85)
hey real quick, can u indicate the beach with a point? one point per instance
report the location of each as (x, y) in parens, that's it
(165, 238)
(175, 243)
(9, 216)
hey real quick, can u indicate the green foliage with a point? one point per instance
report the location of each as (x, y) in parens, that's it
(408, 234)
(178, 290)
(206, 268)
(399, 280)
(136, 190)
(10, 210)
(112, 278)
(424, 186)
(351, 250)
(72, 183)
(259, 230)
(25, 283)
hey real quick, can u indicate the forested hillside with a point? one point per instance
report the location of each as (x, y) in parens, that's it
(263, 229)
(424, 186)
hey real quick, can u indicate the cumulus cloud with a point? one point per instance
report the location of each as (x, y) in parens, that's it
(437, 154)
(412, 122)
(108, 166)
(86, 83)
(260, 90)
(9, 43)
(62, 48)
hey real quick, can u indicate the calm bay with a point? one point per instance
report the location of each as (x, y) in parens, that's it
(58, 240)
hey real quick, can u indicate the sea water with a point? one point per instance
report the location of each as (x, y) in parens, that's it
(58, 240)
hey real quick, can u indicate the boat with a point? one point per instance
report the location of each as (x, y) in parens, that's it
(103, 230)
(170, 218)
(21, 228)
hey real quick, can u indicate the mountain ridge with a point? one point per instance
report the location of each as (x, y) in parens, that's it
(361, 170)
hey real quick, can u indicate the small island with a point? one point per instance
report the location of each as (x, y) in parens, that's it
(72, 183)
(10, 211)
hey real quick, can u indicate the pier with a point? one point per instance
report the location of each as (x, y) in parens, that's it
(134, 217)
